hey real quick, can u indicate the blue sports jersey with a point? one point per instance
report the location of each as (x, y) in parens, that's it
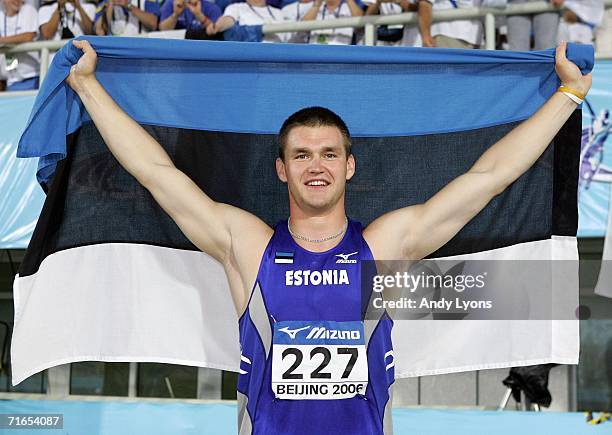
(309, 363)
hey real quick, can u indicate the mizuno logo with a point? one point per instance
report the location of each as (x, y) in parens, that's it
(344, 258)
(330, 334)
(292, 332)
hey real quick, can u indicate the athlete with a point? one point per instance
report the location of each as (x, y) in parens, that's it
(310, 364)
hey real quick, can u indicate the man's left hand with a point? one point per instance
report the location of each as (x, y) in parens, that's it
(569, 73)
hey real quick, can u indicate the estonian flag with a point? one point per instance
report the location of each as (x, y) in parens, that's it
(109, 277)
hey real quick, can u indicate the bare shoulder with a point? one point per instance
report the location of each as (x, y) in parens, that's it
(389, 236)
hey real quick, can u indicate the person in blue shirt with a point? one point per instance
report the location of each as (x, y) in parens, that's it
(188, 14)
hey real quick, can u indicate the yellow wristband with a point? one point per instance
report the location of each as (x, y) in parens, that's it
(569, 90)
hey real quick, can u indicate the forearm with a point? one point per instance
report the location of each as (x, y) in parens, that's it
(148, 19)
(224, 23)
(99, 27)
(516, 152)
(356, 11)
(133, 147)
(312, 12)
(407, 6)
(424, 19)
(86, 23)
(17, 39)
(169, 23)
(103, 24)
(48, 29)
(372, 9)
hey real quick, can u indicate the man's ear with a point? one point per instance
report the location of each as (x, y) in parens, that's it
(350, 167)
(280, 170)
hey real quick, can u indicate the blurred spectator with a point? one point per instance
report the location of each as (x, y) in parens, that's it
(295, 12)
(190, 15)
(65, 19)
(333, 9)
(251, 13)
(449, 34)
(579, 20)
(19, 23)
(412, 35)
(542, 26)
(126, 17)
(390, 34)
(603, 37)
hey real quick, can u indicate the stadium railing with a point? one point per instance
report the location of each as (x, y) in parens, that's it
(368, 23)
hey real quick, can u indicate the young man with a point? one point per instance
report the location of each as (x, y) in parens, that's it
(251, 13)
(19, 23)
(189, 15)
(330, 10)
(449, 34)
(309, 362)
(65, 19)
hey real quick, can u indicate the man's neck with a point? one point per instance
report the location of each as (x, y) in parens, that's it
(332, 5)
(318, 227)
(11, 12)
(257, 3)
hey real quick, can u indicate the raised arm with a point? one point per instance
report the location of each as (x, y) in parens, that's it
(234, 237)
(147, 19)
(415, 232)
(48, 28)
(313, 11)
(424, 18)
(356, 11)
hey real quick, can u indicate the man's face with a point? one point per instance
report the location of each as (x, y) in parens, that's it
(12, 6)
(315, 167)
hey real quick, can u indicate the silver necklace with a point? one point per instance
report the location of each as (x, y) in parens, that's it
(324, 239)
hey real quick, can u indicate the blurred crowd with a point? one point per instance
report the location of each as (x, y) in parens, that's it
(582, 21)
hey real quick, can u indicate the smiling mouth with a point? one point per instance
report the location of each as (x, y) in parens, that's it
(317, 183)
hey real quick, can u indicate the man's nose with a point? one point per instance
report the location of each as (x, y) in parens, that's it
(315, 165)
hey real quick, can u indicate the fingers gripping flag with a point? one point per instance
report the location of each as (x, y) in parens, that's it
(109, 277)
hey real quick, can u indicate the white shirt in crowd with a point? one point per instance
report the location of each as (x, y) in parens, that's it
(70, 17)
(412, 36)
(341, 36)
(295, 12)
(387, 8)
(591, 14)
(25, 65)
(467, 30)
(248, 15)
(124, 22)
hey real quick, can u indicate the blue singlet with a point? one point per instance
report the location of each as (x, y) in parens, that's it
(304, 343)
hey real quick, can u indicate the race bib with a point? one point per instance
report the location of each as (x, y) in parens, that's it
(318, 360)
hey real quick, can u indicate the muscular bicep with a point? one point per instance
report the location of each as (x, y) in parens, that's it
(440, 218)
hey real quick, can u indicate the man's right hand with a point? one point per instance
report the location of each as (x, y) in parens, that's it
(85, 68)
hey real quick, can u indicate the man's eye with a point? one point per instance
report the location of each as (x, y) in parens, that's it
(330, 156)
(301, 156)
